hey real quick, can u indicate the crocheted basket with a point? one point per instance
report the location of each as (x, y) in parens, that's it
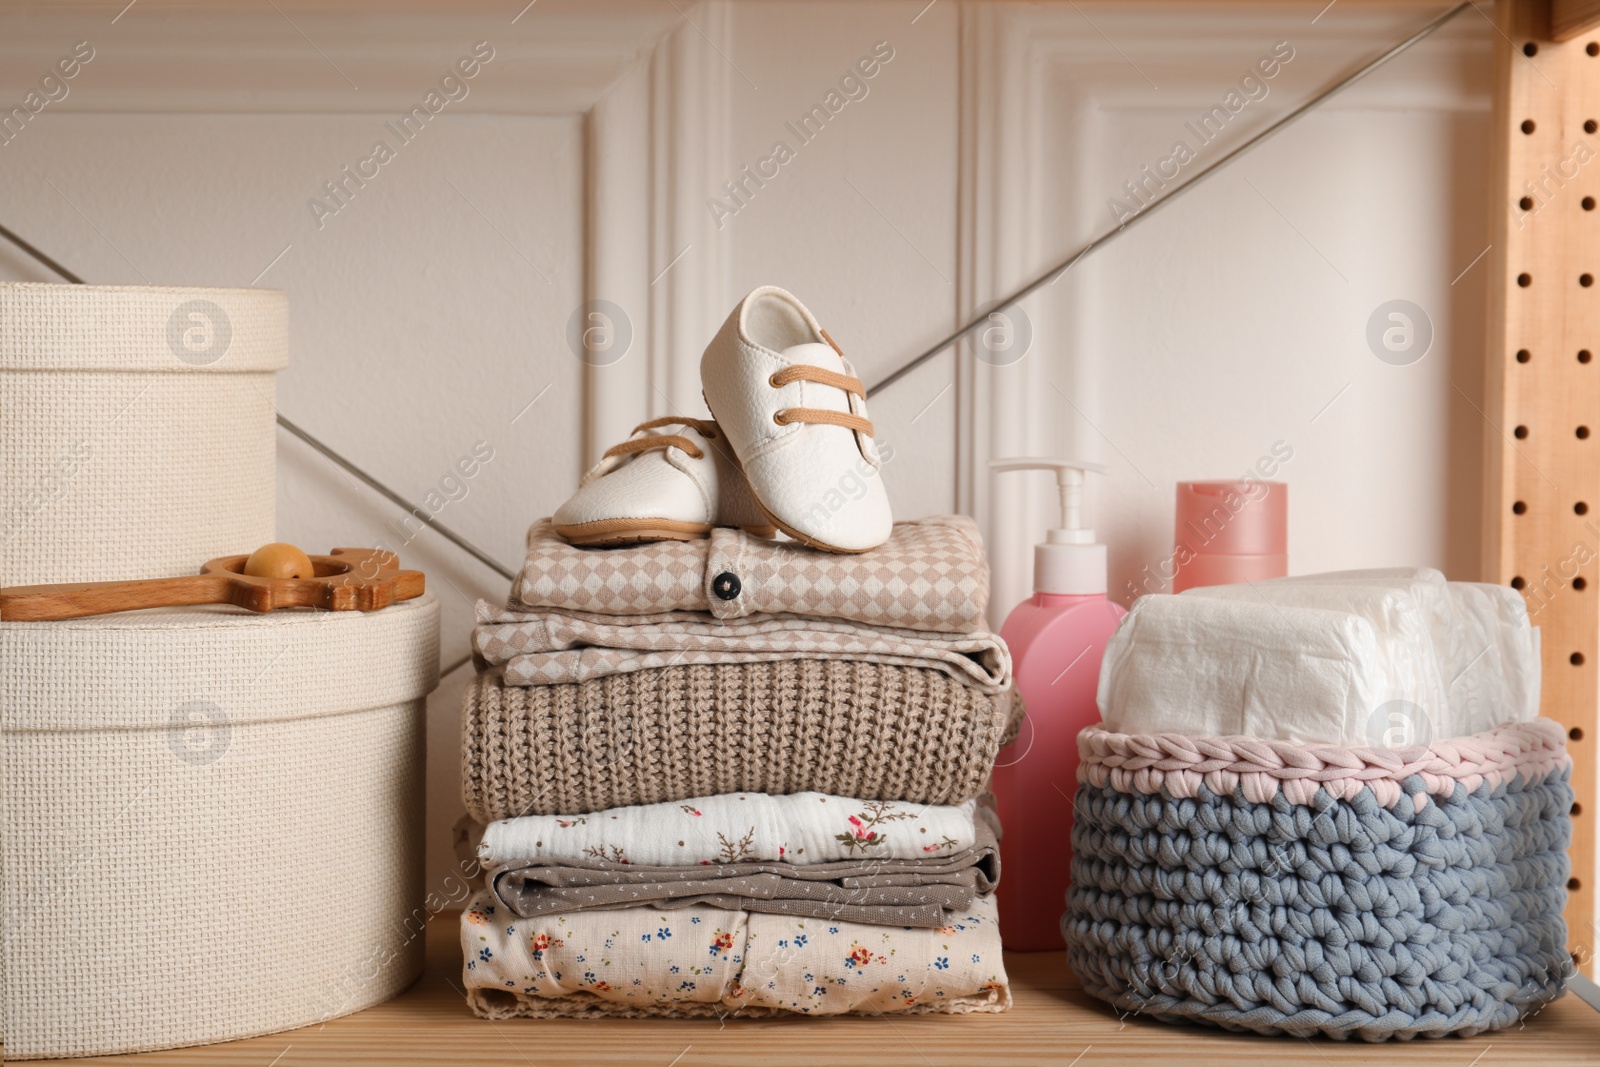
(1299, 889)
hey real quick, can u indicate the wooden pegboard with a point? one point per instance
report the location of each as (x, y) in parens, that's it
(1543, 471)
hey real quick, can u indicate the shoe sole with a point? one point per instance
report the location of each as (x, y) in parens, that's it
(632, 531)
(637, 531)
(804, 539)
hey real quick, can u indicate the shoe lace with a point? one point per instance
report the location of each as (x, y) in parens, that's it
(803, 372)
(635, 445)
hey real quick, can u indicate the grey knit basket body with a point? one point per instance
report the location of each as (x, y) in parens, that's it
(1337, 915)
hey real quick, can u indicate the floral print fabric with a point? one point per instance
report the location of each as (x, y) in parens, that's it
(705, 960)
(862, 889)
(798, 828)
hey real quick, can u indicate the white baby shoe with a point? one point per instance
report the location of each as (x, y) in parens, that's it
(796, 416)
(658, 486)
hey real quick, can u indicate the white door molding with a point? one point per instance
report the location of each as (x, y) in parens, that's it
(657, 142)
(1036, 75)
(646, 79)
(690, 137)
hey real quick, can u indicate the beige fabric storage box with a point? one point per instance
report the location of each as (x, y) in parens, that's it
(136, 428)
(212, 822)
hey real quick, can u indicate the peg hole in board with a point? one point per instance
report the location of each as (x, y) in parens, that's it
(1528, 126)
(1576, 733)
(1524, 279)
(1521, 433)
(1588, 203)
(1523, 355)
(1519, 508)
(1576, 659)
(1584, 355)
(1580, 508)
(1518, 582)
(1582, 433)
(1580, 583)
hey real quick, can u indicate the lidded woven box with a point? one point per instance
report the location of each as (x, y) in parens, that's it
(137, 428)
(186, 796)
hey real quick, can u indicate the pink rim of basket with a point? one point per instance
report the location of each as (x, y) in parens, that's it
(1149, 763)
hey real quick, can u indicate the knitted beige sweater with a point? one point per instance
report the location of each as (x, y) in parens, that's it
(863, 730)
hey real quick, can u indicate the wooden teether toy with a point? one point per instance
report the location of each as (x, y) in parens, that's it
(279, 560)
(274, 576)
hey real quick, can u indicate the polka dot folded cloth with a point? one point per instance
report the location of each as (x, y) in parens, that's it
(1306, 889)
(710, 961)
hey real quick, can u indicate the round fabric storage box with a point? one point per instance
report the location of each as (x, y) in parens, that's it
(137, 428)
(1313, 889)
(211, 822)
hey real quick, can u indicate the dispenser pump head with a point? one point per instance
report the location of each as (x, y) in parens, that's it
(1068, 562)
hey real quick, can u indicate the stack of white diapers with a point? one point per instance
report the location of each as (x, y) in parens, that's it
(1378, 657)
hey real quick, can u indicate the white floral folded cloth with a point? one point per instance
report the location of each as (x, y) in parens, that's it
(712, 961)
(736, 828)
(554, 647)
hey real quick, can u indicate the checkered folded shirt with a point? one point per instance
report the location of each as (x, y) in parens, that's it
(930, 575)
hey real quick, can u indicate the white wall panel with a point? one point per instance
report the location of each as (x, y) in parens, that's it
(431, 310)
(1223, 324)
(861, 223)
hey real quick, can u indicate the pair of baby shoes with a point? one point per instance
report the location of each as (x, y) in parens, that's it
(790, 447)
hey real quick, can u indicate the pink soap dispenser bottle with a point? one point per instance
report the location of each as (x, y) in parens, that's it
(1056, 639)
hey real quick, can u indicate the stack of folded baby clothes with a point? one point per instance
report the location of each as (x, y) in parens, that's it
(789, 775)
(628, 676)
(723, 772)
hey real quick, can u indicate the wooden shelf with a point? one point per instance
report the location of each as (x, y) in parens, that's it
(1052, 1022)
(1541, 475)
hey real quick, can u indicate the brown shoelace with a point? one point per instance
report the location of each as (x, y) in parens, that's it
(805, 373)
(634, 445)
